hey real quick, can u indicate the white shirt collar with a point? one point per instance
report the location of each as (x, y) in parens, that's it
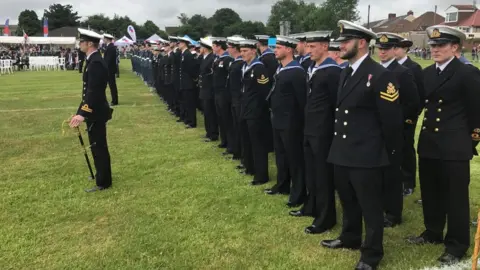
(184, 50)
(386, 64)
(88, 56)
(401, 61)
(444, 65)
(205, 55)
(358, 63)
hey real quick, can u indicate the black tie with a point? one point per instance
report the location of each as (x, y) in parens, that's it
(348, 74)
(439, 71)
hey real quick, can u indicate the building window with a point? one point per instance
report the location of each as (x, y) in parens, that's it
(451, 17)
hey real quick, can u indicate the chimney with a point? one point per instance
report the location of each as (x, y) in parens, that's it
(392, 16)
(410, 13)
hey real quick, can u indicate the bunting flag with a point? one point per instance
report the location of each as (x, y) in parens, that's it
(131, 32)
(45, 27)
(6, 29)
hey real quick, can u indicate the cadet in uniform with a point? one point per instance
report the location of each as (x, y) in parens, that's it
(207, 96)
(302, 49)
(323, 78)
(267, 57)
(234, 87)
(410, 101)
(168, 81)
(367, 135)
(187, 75)
(222, 96)
(254, 113)
(450, 131)
(334, 53)
(111, 60)
(94, 108)
(287, 102)
(409, 163)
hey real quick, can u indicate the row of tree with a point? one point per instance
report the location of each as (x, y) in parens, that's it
(224, 22)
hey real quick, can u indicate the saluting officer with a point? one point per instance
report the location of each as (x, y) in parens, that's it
(254, 113)
(367, 135)
(187, 75)
(287, 102)
(323, 78)
(111, 60)
(410, 101)
(94, 108)
(222, 96)
(207, 96)
(234, 87)
(409, 163)
(450, 130)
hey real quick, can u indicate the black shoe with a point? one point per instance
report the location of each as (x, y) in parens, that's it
(270, 191)
(408, 192)
(179, 121)
(421, 240)
(255, 183)
(419, 202)
(296, 213)
(337, 243)
(363, 266)
(314, 230)
(293, 205)
(95, 189)
(226, 153)
(222, 145)
(113, 104)
(388, 223)
(189, 127)
(236, 157)
(240, 167)
(448, 259)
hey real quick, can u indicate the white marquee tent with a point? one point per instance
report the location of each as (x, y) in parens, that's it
(156, 38)
(38, 40)
(124, 41)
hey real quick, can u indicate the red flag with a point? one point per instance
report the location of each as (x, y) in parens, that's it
(45, 27)
(6, 29)
(25, 36)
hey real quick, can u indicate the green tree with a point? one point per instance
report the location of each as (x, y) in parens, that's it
(247, 29)
(28, 21)
(335, 10)
(287, 10)
(61, 15)
(183, 18)
(223, 18)
(99, 22)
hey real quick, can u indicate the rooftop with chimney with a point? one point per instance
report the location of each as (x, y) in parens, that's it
(405, 23)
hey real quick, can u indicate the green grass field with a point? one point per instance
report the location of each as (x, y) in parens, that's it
(176, 203)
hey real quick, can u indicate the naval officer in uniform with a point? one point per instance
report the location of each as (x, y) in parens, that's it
(94, 108)
(449, 134)
(367, 135)
(410, 101)
(110, 58)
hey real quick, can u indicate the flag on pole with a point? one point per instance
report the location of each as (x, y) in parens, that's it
(131, 32)
(45, 27)
(6, 29)
(25, 36)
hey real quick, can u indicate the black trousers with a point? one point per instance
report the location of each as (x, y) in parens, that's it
(112, 83)
(320, 202)
(255, 153)
(409, 163)
(290, 164)
(118, 71)
(190, 106)
(393, 192)
(224, 114)
(210, 118)
(80, 66)
(168, 93)
(97, 136)
(236, 144)
(445, 200)
(179, 106)
(360, 192)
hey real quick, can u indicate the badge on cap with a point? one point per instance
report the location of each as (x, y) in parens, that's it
(436, 33)
(341, 28)
(383, 39)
